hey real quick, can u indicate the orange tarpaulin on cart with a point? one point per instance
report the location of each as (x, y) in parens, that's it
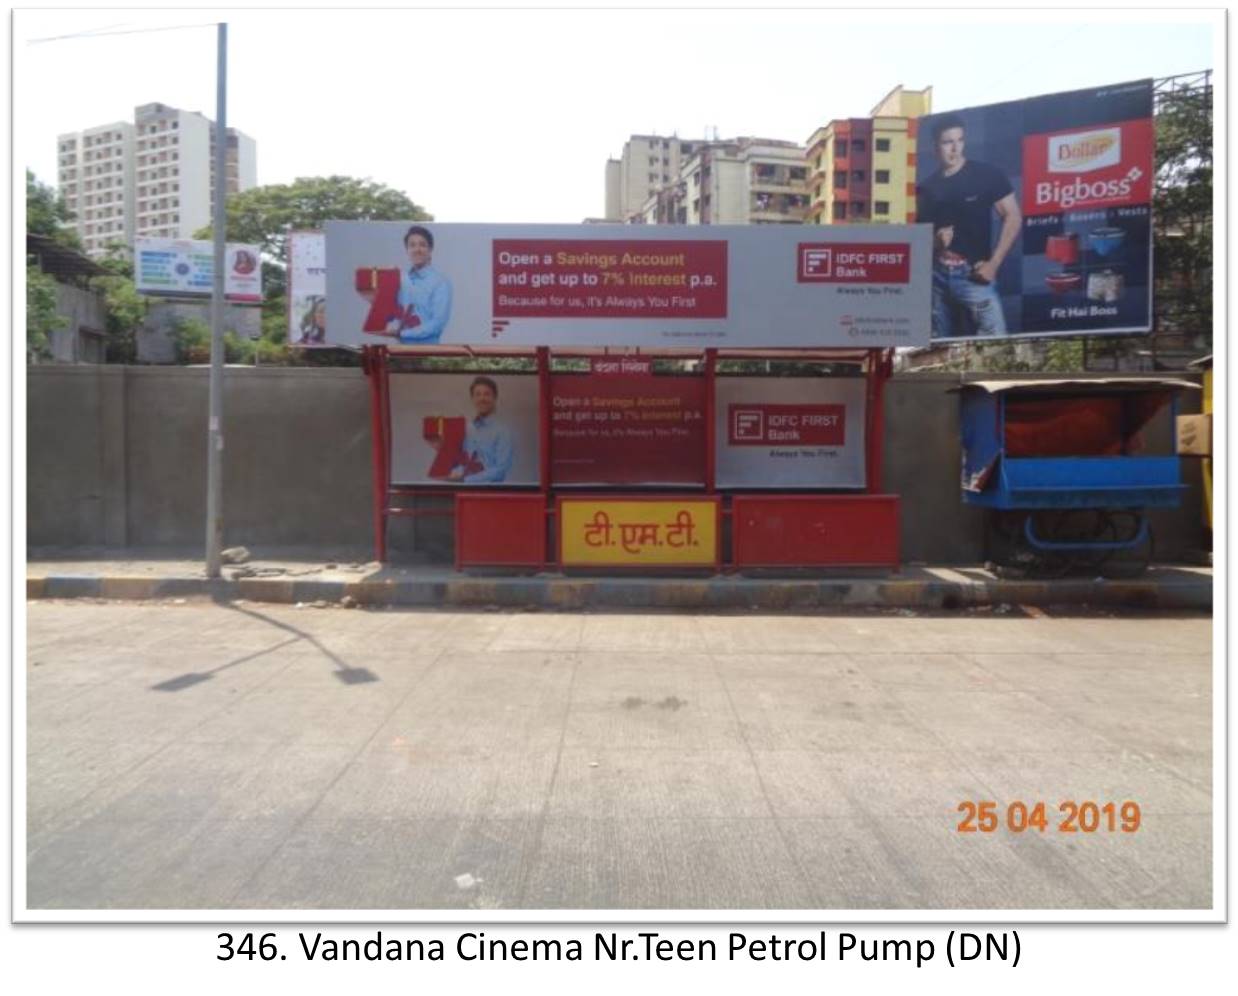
(1089, 426)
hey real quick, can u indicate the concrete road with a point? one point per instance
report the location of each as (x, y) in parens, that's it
(262, 757)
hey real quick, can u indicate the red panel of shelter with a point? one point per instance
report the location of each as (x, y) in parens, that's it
(815, 530)
(500, 530)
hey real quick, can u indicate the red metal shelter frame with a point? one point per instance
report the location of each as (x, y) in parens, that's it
(507, 527)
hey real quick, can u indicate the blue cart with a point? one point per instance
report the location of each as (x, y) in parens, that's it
(1064, 471)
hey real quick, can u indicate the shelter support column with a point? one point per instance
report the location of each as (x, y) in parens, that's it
(374, 363)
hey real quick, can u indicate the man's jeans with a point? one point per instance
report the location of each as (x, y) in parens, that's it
(962, 307)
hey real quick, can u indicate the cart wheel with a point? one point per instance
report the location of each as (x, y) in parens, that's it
(1049, 565)
(1084, 527)
(1102, 530)
(1134, 561)
(1004, 546)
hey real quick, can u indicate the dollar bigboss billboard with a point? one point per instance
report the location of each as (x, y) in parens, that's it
(1041, 214)
(426, 284)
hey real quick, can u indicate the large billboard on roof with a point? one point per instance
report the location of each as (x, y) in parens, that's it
(1041, 214)
(757, 286)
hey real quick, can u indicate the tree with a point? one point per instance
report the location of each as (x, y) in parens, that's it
(47, 215)
(1182, 211)
(42, 317)
(126, 308)
(264, 216)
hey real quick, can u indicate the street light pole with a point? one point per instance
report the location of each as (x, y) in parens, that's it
(215, 434)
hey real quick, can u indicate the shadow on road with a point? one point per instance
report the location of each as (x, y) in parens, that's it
(346, 674)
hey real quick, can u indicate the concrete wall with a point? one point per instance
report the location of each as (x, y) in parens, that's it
(81, 341)
(117, 457)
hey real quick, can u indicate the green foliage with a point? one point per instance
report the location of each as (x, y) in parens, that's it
(264, 216)
(1064, 356)
(117, 260)
(1182, 212)
(192, 338)
(126, 308)
(42, 319)
(47, 215)
(469, 364)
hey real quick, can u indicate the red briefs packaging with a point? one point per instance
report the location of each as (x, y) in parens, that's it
(449, 434)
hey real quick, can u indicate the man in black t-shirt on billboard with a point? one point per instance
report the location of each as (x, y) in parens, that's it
(959, 201)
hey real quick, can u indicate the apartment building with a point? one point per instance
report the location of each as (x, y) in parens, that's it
(735, 182)
(864, 169)
(96, 178)
(648, 163)
(154, 177)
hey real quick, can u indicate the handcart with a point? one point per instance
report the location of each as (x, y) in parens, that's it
(1065, 470)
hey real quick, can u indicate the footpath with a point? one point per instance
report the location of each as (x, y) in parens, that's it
(130, 574)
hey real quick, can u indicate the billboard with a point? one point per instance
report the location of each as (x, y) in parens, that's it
(307, 289)
(765, 286)
(1041, 214)
(186, 268)
(627, 426)
(471, 429)
(784, 432)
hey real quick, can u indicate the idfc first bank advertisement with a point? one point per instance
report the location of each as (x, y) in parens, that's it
(1041, 214)
(764, 286)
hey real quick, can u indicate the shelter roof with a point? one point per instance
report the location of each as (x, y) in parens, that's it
(59, 260)
(824, 355)
(1107, 384)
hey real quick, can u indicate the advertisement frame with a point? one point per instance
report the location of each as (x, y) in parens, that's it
(326, 343)
(976, 114)
(448, 487)
(205, 294)
(528, 286)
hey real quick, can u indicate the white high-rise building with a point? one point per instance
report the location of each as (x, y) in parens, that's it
(649, 162)
(154, 177)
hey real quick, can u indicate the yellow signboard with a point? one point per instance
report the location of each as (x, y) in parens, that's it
(619, 532)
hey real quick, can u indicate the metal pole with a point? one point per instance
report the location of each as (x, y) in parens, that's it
(215, 434)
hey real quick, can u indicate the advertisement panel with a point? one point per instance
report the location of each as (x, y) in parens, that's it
(186, 268)
(635, 532)
(655, 286)
(1041, 214)
(790, 432)
(472, 429)
(307, 289)
(627, 428)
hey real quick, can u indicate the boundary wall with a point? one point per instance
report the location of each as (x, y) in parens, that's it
(116, 458)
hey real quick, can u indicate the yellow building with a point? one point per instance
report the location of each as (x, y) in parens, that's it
(864, 169)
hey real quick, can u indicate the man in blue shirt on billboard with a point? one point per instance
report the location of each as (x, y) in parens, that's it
(425, 294)
(487, 441)
(959, 201)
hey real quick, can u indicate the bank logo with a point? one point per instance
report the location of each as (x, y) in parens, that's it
(853, 262)
(1085, 151)
(817, 264)
(748, 425)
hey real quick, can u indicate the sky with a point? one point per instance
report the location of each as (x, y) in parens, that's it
(510, 115)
